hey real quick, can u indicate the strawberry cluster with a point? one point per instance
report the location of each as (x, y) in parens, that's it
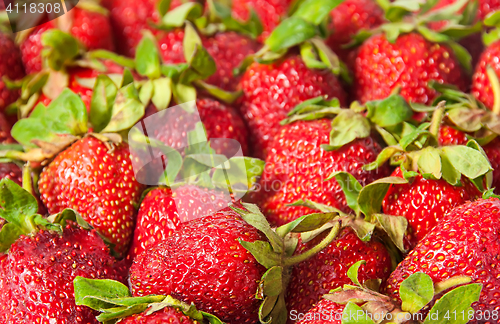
(251, 161)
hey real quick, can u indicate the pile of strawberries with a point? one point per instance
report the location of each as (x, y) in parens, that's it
(251, 161)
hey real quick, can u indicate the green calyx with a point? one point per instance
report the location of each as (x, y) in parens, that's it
(114, 300)
(413, 16)
(305, 28)
(20, 211)
(365, 305)
(349, 124)
(48, 130)
(277, 254)
(492, 35)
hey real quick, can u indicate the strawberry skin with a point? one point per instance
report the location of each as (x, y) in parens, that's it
(40, 272)
(465, 243)
(100, 185)
(271, 91)
(325, 312)
(481, 86)
(425, 202)
(270, 12)
(204, 263)
(166, 315)
(297, 167)
(10, 67)
(327, 270)
(228, 49)
(348, 19)
(12, 172)
(410, 63)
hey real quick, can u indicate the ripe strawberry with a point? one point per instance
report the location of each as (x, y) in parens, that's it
(327, 270)
(203, 263)
(97, 182)
(40, 272)
(270, 91)
(464, 243)
(424, 202)
(166, 315)
(410, 63)
(5, 127)
(270, 12)
(482, 87)
(10, 67)
(219, 120)
(297, 167)
(325, 312)
(347, 20)
(228, 49)
(12, 172)
(91, 28)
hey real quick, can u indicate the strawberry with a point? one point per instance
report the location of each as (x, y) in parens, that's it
(90, 26)
(327, 270)
(270, 91)
(101, 185)
(325, 312)
(5, 127)
(11, 171)
(35, 294)
(483, 88)
(410, 63)
(270, 12)
(347, 20)
(402, 59)
(464, 243)
(11, 67)
(423, 202)
(166, 315)
(212, 238)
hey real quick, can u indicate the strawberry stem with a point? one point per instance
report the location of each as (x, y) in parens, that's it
(27, 183)
(437, 118)
(323, 244)
(495, 87)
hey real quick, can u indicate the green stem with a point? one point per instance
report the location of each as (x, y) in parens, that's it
(27, 183)
(495, 87)
(437, 119)
(323, 244)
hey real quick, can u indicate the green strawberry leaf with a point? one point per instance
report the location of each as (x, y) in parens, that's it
(66, 114)
(353, 272)
(306, 223)
(103, 99)
(9, 234)
(146, 92)
(173, 71)
(59, 48)
(163, 6)
(431, 35)
(309, 56)
(292, 31)
(490, 37)
(389, 112)
(416, 292)
(222, 95)
(201, 65)
(177, 17)
(184, 93)
(162, 93)
(262, 252)
(429, 163)
(99, 294)
(316, 11)
(252, 27)
(350, 187)
(386, 154)
(347, 127)
(393, 30)
(238, 172)
(127, 110)
(468, 161)
(190, 42)
(315, 206)
(442, 286)
(466, 119)
(107, 55)
(273, 281)
(353, 314)
(458, 301)
(395, 227)
(66, 215)
(371, 196)
(400, 8)
(147, 57)
(449, 173)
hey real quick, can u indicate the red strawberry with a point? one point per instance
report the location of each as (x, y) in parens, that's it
(270, 91)
(410, 63)
(203, 263)
(270, 12)
(12, 172)
(481, 85)
(5, 128)
(347, 20)
(97, 182)
(327, 270)
(451, 136)
(10, 67)
(40, 270)
(424, 202)
(91, 28)
(228, 49)
(325, 312)
(465, 243)
(297, 166)
(166, 315)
